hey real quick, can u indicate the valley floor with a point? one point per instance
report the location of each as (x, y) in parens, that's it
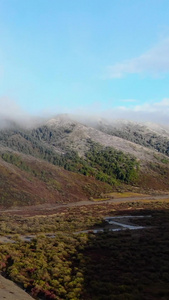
(48, 209)
(50, 261)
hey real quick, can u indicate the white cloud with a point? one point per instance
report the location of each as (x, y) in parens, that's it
(157, 112)
(9, 107)
(10, 111)
(153, 62)
(160, 107)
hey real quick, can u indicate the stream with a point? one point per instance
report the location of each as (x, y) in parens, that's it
(111, 221)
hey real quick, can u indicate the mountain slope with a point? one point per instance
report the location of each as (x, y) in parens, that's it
(35, 164)
(26, 180)
(149, 135)
(63, 134)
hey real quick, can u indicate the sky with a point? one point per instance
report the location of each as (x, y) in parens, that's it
(107, 57)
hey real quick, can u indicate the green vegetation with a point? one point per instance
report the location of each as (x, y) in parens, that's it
(140, 135)
(73, 219)
(112, 164)
(105, 164)
(16, 160)
(46, 268)
(53, 144)
(69, 222)
(25, 180)
(60, 261)
(105, 266)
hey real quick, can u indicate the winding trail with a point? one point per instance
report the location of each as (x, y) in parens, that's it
(53, 207)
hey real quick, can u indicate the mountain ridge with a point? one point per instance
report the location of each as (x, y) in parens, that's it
(89, 161)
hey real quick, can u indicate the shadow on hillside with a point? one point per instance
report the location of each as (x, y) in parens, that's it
(129, 265)
(123, 265)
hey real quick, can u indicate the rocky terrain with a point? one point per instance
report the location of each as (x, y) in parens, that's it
(63, 160)
(10, 291)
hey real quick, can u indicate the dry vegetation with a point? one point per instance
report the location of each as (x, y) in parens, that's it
(47, 170)
(37, 182)
(105, 266)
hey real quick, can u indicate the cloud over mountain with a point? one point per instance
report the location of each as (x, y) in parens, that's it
(157, 112)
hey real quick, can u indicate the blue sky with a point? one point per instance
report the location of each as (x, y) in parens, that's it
(85, 56)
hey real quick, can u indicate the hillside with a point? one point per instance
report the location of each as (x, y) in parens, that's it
(64, 160)
(26, 180)
(58, 182)
(152, 136)
(63, 134)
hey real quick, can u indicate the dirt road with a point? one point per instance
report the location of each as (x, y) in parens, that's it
(38, 209)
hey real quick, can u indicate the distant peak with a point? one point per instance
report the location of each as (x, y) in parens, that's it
(60, 120)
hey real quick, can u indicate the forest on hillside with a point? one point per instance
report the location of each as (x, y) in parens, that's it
(105, 164)
(139, 135)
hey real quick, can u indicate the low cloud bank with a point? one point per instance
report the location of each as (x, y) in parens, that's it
(157, 112)
(11, 114)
